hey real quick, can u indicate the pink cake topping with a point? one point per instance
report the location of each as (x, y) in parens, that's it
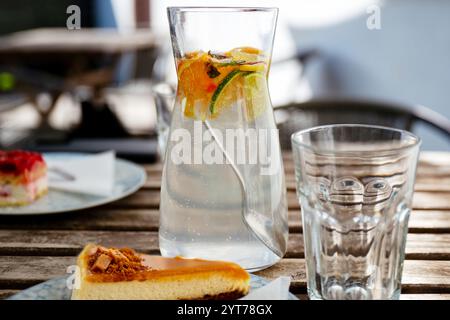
(18, 161)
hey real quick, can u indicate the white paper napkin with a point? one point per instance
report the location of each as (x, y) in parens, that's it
(91, 174)
(277, 289)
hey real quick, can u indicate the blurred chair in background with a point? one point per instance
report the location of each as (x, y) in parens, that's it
(298, 116)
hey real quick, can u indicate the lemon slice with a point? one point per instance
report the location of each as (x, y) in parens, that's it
(257, 67)
(249, 50)
(256, 94)
(238, 54)
(246, 54)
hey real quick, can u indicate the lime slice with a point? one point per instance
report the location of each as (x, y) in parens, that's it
(219, 93)
(256, 94)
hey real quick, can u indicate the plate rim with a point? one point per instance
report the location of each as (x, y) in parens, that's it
(102, 200)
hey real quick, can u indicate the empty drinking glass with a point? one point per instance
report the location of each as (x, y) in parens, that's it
(355, 184)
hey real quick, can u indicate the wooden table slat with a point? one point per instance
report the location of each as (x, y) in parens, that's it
(7, 293)
(149, 198)
(57, 243)
(421, 221)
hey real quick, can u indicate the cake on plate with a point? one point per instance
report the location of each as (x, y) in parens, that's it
(23, 177)
(110, 273)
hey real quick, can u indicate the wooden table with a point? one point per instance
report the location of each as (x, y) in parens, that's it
(35, 249)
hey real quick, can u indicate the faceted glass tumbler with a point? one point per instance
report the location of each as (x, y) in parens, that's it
(355, 184)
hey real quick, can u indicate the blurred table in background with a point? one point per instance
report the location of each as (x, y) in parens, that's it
(85, 40)
(35, 249)
(81, 63)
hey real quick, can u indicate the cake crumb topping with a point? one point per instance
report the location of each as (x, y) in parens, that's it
(123, 261)
(102, 262)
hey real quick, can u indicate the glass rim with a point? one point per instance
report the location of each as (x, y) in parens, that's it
(295, 141)
(221, 9)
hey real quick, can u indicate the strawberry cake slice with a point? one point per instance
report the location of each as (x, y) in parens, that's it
(23, 177)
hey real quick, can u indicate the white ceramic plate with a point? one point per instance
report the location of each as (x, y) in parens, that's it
(56, 289)
(129, 177)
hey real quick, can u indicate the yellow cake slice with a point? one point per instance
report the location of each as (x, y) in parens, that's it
(110, 273)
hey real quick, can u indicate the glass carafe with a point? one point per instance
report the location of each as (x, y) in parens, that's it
(223, 194)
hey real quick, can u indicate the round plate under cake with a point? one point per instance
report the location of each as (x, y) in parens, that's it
(56, 289)
(129, 177)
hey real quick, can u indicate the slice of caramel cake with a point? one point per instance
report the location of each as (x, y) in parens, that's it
(110, 273)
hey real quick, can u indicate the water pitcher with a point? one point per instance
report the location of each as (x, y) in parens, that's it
(223, 194)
